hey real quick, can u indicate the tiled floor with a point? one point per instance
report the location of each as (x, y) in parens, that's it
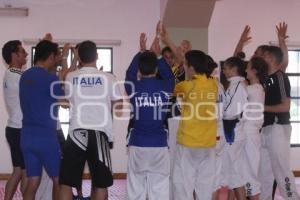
(117, 191)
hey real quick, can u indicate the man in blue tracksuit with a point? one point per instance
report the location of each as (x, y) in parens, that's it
(148, 162)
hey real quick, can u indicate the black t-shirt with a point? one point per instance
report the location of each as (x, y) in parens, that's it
(277, 89)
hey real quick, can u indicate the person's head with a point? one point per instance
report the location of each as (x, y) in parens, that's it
(14, 54)
(233, 66)
(212, 65)
(260, 51)
(168, 55)
(147, 64)
(257, 69)
(87, 52)
(47, 54)
(186, 46)
(273, 56)
(196, 62)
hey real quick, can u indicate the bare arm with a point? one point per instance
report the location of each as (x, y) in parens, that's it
(75, 61)
(65, 53)
(178, 51)
(143, 42)
(282, 36)
(284, 106)
(117, 107)
(244, 39)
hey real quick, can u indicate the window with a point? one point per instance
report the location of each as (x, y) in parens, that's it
(293, 72)
(104, 62)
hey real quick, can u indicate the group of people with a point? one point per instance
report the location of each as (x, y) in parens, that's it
(33, 98)
(234, 128)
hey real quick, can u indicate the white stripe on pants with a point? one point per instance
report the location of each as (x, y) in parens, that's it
(275, 162)
(148, 173)
(252, 150)
(194, 169)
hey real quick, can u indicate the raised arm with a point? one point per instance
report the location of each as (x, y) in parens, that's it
(75, 61)
(65, 54)
(132, 71)
(178, 51)
(244, 39)
(282, 36)
(164, 70)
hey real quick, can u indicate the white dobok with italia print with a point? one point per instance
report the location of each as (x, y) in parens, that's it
(90, 93)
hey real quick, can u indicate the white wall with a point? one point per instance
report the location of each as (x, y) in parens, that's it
(229, 19)
(75, 19)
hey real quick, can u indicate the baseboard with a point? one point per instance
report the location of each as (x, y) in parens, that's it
(85, 176)
(115, 175)
(296, 173)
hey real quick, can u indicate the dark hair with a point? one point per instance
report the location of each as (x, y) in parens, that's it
(211, 65)
(87, 51)
(44, 49)
(241, 55)
(276, 52)
(236, 62)
(9, 48)
(198, 60)
(166, 49)
(261, 67)
(262, 48)
(147, 63)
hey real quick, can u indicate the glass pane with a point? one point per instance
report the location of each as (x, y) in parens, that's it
(69, 60)
(293, 66)
(65, 128)
(294, 110)
(295, 82)
(63, 114)
(104, 60)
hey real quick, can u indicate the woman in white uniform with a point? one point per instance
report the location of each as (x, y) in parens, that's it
(252, 122)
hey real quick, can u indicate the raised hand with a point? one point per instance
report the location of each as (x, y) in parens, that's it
(282, 36)
(155, 47)
(245, 36)
(158, 28)
(65, 51)
(75, 53)
(281, 31)
(143, 41)
(164, 34)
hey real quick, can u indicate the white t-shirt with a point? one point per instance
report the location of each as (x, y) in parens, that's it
(11, 82)
(90, 93)
(235, 98)
(253, 116)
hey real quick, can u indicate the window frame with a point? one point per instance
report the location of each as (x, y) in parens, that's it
(292, 74)
(71, 58)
